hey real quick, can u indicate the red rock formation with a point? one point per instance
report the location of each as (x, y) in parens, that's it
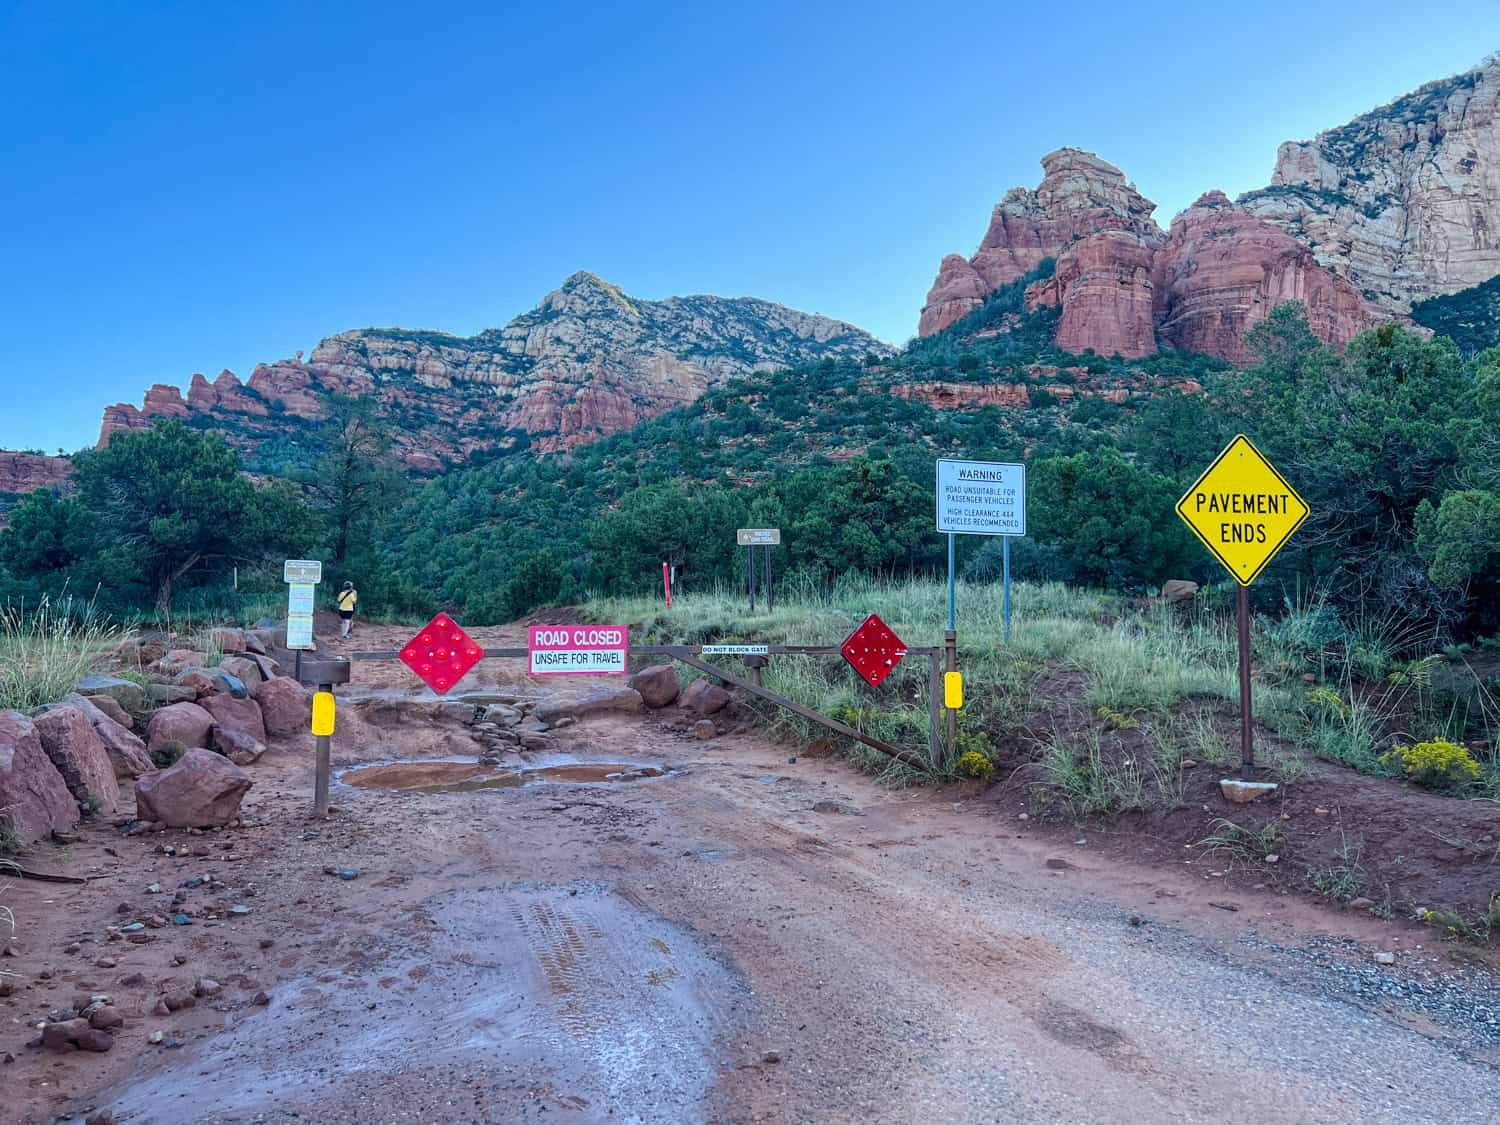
(1079, 195)
(965, 396)
(1122, 286)
(289, 388)
(1223, 269)
(25, 472)
(121, 416)
(1103, 283)
(957, 292)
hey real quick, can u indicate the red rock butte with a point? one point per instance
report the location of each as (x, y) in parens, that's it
(1124, 286)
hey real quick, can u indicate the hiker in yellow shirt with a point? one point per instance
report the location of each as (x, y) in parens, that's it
(348, 598)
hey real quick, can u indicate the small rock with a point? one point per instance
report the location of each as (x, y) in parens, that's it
(106, 1019)
(176, 1001)
(836, 807)
(72, 948)
(771, 1057)
(1320, 811)
(705, 729)
(160, 1008)
(1189, 763)
(1361, 903)
(261, 999)
(132, 980)
(105, 963)
(100, 1117)
(1385, 957)
(157, 1036)
(266, 943)
(1273, 858)
(206, 986)
(1023, 816)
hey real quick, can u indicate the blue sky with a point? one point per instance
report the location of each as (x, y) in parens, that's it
(189, 187)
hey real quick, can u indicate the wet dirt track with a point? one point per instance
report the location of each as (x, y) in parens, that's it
(706, 947)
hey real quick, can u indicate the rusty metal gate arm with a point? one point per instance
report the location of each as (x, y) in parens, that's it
(886, 748)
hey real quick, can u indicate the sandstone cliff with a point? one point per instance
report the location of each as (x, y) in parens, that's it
(1404, 201)
(23, 472)
(587, 361)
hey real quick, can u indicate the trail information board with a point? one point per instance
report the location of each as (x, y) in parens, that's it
(299, 615)
(1242, 510)
(578, 650)
(981, 498)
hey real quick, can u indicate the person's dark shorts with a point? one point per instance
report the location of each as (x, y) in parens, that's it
(347, 614)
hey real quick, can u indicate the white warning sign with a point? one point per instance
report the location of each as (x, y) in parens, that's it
(981, 498)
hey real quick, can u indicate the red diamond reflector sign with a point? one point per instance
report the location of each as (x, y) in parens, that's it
(874, 650)
(441, 653)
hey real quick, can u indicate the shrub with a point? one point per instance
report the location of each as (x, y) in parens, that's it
(1438, 764)
(971, 763)
(168, 754)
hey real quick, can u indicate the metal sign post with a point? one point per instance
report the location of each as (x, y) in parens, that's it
(751, 538)
(1243, 511)
(324, 672)
(977, 498)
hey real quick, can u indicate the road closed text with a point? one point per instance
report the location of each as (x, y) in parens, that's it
(574, 650)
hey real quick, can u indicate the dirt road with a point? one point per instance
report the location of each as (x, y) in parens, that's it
(706, 946)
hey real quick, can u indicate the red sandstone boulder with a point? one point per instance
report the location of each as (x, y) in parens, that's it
(34, 799)
(242, 715)
(80, 757)
(705, 698)
(192, 678)
(228, 640)
(112, 709)
(127, 753)
(285, 707)
(657, 684)
(186, 723)
(202, 790)
(243, 668)
(237, 745)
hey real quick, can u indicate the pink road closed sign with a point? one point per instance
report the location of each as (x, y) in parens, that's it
(578, 650)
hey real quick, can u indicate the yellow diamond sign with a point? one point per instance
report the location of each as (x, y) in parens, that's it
(1243, 510)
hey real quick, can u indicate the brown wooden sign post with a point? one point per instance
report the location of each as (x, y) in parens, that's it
(1243, 511)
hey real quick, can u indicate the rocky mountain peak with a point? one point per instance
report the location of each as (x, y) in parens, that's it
(588, 360)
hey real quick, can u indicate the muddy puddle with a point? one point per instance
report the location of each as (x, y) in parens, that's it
(567, 1000)
(448, 776)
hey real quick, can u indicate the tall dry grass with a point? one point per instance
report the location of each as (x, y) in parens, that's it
(46, 649)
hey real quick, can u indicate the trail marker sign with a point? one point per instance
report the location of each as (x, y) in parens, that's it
(441, 654)
(758, 536)
(873, 650)
(301, 571)
(1242, 510)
